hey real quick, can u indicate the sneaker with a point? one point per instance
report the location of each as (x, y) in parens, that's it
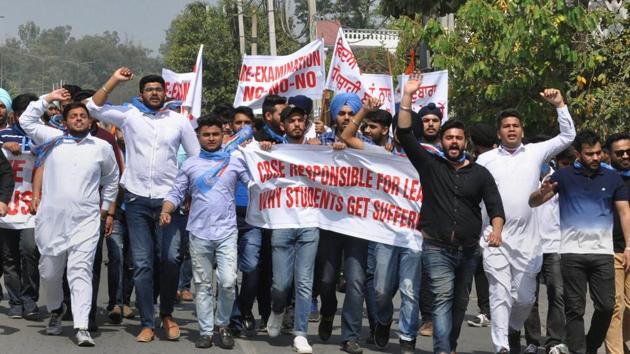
(115, 314)
(351, 347)
(274, 324)
(301, 346)
(262, 326)
(325, 328)
(407, 346)
(226, 340)
(531, 349)
(15, 312)
(503, 351)
(84, 339)
(249, 324)
(559, 349)
(31, 312)
(205, 341)
(426, 330)
(54, 324)
(381, 335)
(480, 321)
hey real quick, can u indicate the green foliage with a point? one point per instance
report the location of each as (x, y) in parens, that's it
(503, 53)
(216, 28)
(409, 8)
(39, 59)
(600, 89)
(208, 25)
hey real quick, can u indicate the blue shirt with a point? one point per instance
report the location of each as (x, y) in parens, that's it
(212, 214)
(587, 206)
(11, 134)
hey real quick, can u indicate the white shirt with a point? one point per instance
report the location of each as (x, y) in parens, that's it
(151, 144)
(68, 215)
(517, 175)
(548, 220)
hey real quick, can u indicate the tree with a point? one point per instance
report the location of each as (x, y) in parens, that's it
(40, 58)
(600, 94)
(216, 28)
(409, 8)
(502, 54)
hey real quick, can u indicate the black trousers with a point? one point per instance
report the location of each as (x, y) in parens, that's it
(483, 290)
(597, 272)
(552, 276)
(19, 258)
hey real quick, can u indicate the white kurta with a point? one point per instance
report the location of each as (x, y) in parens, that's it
(548, 220)
(69, 214)
(517, 175)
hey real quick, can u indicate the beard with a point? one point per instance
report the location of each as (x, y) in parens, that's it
(456, 158)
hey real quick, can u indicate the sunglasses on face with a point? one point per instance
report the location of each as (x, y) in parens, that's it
(620, 153)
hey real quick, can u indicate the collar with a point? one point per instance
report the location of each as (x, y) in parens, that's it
(504, 150)
(578, 168)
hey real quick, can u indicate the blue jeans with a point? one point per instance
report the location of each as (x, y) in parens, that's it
(370, 292)
(185, 272)
(293, 261)
(332, 246)
(156, 252)
(451, 273)
(204, 254)
(398, 268)
(119, 271)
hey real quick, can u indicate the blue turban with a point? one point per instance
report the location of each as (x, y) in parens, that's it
(344, 99)
(6, 99)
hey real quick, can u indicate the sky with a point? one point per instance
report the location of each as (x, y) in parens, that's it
(142, 21)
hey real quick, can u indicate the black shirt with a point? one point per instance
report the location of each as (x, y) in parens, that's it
(451, 212)
(619, 242)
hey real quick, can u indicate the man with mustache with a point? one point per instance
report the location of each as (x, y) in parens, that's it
(513, 267)
(619, 331)
(451, 218)
(153, 134)
(589, 195)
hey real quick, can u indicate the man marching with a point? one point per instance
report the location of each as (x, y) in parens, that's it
(70, 213)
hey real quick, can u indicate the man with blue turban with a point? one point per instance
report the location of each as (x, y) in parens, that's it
(342, 108)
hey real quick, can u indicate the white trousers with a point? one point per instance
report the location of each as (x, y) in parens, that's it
(79, 265)
(512, 295)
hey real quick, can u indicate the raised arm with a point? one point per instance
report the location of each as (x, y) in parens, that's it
(105, 113)
(560, 142)
(349, 135)
(416, 154)
(30, 119)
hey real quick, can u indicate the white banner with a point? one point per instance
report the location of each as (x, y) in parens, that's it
(191, 106)
(301, 73)
(434, 89)
(18, 215)
(380, 86)
(370, 195)
(344, 74)
(177, 84)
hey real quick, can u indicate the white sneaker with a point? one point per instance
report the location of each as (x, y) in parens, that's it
(84, 339)
(531, 349)
(559, 349)
(301, 346)
(480, 321)
(274, 324)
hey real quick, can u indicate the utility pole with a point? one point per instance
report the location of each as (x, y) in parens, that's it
(272, 28)
(254, 32)
(241, 26)
(312, 9)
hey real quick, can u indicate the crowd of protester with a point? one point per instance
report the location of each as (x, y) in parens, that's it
(169, 200)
